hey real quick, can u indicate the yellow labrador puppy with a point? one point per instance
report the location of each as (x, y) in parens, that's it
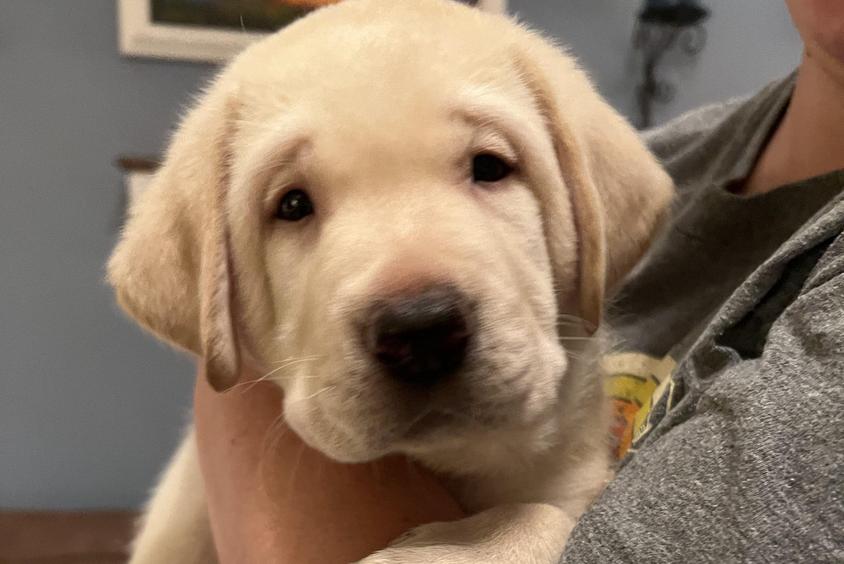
(426, 205)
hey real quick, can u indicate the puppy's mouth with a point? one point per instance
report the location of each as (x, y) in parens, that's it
(370, 415)
(387, 417)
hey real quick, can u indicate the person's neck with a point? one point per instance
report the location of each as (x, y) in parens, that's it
(809, 140)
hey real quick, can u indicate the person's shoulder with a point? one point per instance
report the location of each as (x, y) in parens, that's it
(712, 141)
(829, 224)
(691, 129)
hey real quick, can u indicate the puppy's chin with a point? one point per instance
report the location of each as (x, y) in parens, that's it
(348, 452)
(430, 432)
(372, 437)
(428, 437)
(317, 429)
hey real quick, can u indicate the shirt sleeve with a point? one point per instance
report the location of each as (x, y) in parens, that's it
(756, 473)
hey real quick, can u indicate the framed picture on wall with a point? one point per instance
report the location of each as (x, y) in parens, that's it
(213, 30)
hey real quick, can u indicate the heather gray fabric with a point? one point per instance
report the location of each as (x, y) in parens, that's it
(716, 239)
(747, 463)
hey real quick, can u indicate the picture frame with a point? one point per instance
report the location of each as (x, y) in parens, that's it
(140, 34)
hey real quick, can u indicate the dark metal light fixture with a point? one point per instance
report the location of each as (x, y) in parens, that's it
(673, 12)
(661, 25)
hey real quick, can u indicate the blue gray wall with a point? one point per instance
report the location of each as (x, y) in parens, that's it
(750, 42)
(90, 407)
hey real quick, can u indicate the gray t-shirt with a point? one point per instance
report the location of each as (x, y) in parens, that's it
(734, 327)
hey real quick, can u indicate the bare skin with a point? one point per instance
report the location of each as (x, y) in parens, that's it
(316, 510)
(809, 138)
(274, 499)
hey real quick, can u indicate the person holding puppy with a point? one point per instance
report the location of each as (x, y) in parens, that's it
(737, 310)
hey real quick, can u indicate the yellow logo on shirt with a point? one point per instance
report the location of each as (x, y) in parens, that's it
(634, 382)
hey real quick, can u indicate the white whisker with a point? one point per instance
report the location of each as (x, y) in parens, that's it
(268, 376)
(296, 360)
(313, 395)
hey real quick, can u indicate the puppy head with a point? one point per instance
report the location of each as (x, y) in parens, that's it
(387, 207)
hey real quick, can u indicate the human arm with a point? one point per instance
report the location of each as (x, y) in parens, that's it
(271, 498)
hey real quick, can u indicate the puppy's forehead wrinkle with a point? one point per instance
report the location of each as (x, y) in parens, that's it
(348, 140)
(523, 131)
(274, 148)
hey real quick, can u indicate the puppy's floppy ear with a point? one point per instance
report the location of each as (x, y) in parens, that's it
(171, 269)
(617, 192)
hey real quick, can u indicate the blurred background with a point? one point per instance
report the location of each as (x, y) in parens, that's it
(90, 408)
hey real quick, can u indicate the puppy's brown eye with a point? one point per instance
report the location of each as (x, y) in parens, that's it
(294, 205)
(486, 167)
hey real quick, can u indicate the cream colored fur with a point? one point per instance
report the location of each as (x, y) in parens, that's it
(376, 107)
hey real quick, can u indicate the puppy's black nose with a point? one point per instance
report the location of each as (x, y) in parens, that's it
(421, 337)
